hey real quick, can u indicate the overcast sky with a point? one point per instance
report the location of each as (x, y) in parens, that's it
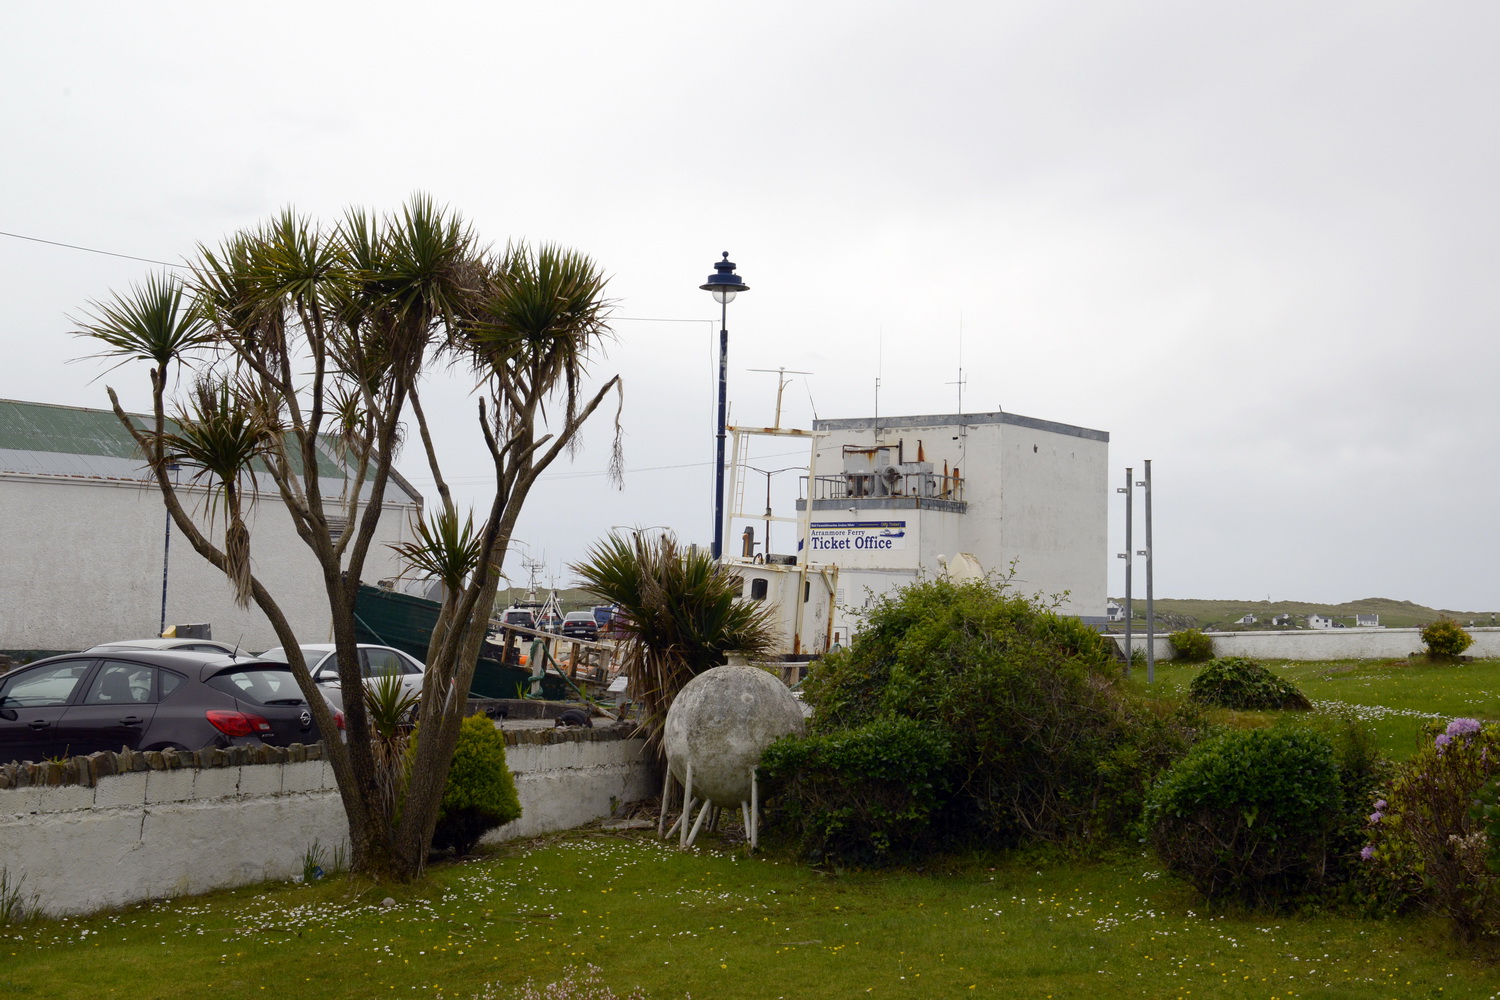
(1257, 242)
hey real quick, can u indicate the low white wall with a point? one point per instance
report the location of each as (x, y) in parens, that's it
(1321, 644)
(154, 834)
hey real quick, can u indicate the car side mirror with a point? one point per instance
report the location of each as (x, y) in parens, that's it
(9, 714)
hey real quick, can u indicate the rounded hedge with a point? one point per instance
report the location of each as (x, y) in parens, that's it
(1446, 637)
(862, 796)
(1046, 744)
(481, 792)
(1191, 645)
(1235, 682)
(1250, 815)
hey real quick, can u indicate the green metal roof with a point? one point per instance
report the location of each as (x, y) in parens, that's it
(44, 439)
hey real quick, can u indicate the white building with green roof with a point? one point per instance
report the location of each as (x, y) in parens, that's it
(88, 554)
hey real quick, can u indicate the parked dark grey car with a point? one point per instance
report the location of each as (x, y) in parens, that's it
(79, 703)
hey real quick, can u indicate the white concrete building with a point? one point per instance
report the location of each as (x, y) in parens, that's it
(1319, 621)
(88, 554)
(894, 499)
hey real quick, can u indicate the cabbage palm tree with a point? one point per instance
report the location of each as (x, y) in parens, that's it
(310, 338)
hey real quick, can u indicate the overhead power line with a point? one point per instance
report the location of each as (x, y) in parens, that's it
(470, 480)
(107, 253)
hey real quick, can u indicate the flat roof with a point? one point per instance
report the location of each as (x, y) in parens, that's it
(958, 420)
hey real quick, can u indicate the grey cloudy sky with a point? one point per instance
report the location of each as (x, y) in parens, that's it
(1256, 242)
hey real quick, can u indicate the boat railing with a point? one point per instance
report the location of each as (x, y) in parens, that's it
(577, 659)
(859, 485)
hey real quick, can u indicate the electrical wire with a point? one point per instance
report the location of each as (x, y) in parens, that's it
(107, 253)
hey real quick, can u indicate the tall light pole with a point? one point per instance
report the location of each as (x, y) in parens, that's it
(1128, 556)
(724, 284)
(1150, 555)
(166, 557)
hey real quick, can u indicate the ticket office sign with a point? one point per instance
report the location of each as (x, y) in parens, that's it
(831, 537)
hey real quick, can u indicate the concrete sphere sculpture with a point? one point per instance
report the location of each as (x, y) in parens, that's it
(717, 728)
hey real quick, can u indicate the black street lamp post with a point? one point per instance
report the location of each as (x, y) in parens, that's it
(724, 284)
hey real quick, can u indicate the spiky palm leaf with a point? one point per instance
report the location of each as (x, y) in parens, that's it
(151, 322)
(544, 311)
(417, 274)
(680, 612)
(219, 437)
(444, 550)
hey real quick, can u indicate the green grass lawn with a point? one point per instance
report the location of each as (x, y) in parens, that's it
(1394, 696)
(716, 924)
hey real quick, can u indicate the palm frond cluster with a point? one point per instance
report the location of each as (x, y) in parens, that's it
(680, 612)
(306, 348)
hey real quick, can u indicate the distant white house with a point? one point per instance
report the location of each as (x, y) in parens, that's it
(1319, 621)
(1114, 612)
(1366, 621)
(1245, 620)
(1282, 621)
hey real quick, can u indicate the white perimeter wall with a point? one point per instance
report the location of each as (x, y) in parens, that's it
(1322, 644)
(83, 565)
(154, 834)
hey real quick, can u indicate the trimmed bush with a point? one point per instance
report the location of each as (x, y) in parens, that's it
(1446, 638)
(861, 796)
(1430, 833)
(481, 792)
(1191, 646)
(1235, 682)
(1250, 815)
(1046, 747)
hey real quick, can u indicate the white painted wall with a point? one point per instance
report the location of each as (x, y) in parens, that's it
(154, 834)
(84, 565)
(1322, 644)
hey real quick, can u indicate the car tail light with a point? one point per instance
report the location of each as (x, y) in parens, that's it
(338, 720)
(238, 723)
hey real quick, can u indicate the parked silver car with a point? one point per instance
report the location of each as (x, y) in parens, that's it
(374, 661)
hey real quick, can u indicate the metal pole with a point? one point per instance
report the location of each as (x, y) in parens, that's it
(1150, 589)
(166, 550)
(718, 549)
(1129, 558)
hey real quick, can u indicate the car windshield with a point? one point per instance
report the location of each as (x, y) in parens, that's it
(265, 683)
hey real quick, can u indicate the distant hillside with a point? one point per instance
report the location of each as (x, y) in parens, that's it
(1219, 614)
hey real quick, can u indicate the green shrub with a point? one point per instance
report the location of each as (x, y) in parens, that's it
(481, 793)
(1191, 646)
(1427, 835)
(1250, 815)
(1363, 771)
(1446, 638)
(1045, 744)
(1235, 682)
(860, 796)
(1484, 811)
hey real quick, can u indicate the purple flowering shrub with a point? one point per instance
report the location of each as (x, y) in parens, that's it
(1426, 841)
